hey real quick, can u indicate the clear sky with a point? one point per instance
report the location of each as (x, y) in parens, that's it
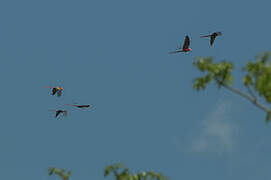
(113, 54)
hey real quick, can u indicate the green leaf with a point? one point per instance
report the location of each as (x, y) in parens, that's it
(247, 80)
(51, 171)
(125, 174)
(268, 117)
(221, 71)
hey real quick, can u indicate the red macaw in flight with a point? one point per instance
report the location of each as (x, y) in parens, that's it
(55, 90)
(212, 37)
(79, 106)
(64, 112)
(185, 46)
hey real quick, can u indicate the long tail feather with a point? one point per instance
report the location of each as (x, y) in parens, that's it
(71, 105)
(174, 52)
(205, 36)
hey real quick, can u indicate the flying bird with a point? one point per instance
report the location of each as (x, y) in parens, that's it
(58, 112)
(212, 37)
(79, 106)
(56, 90)
(185, 46)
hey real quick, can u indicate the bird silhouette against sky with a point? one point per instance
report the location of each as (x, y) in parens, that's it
(56, 90)
(79, 106)
(58, 112)
(185, 46)
(212, 37)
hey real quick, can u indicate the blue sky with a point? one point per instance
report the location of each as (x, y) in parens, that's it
(113, 54)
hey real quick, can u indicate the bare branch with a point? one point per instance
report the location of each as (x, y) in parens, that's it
(251, 98)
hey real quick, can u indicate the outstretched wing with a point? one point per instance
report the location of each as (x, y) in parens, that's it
(82, 106)
(57, 113)
(213, 36)
(212, 40)
(186, 43)
(217, 33)
(54, 90)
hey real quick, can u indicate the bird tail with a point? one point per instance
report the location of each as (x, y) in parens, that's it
(205, 36)
(71, 105)
(174, 52)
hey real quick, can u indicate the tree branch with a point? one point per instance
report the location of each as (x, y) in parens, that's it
(247, 96)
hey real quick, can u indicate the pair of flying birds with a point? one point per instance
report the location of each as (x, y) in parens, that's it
(58, 91)
(187, 42)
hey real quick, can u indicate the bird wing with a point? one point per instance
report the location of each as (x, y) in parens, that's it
(58, 112)
(54, 90)
(59, 92)
(212, 39)
(186, 42)
(217, 33)
(83, 106)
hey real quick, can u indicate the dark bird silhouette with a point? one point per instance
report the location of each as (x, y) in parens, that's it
(212, 37)
(185, 46)
(58, 112)
(79, 106)
(56, 90)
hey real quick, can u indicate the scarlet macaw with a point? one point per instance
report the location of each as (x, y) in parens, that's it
(79, 106)
(57, 90)
(212, 37)
(64, 112)
(185, 46)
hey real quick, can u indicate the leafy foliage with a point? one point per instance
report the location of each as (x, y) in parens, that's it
(258, 76)
(220, 72)
(123, 173)
(268, 117)
(61, 173)
(257, 79)
(119, 171)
